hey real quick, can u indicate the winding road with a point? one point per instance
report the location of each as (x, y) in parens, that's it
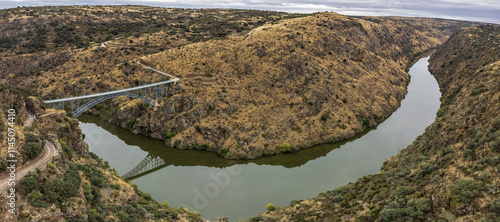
(175, 79)
(40, 162)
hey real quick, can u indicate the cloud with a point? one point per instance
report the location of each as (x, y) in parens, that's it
(478, 10)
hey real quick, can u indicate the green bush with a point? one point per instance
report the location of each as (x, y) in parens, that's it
(93, 175)
(130, 124)
(58, 191)
(222, 152)
(3, 165)
(441, 112)
(270, 207)
(93, 215)
(366, 122)
(398, 210)
(257, 218)
(168, 135)
(285, 147)
(324, 116)
(36, 200)
(494, 206)
(92, 195)
(31, 150)
(32, 138)
(28, 182)
(478, 89)
(495, 145)
(465, 190)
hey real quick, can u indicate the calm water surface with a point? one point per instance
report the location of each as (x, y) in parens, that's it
(213, 186)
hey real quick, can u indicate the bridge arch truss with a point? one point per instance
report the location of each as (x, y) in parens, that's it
(79, 104)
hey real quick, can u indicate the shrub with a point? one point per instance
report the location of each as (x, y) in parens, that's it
(29, 182)
(95, 176)
(92, 195)
(495, 145)
(32, 138)
(465, 190)
(324, 116)
(494, 206)
(366, 122)
(495, 126)
(36, 200)
(130, 124)
(441, 112)
(416, 208)
(398, 210)
(3, 165)
(285, 147)
(257, 218)
(31, 150)
(168, 135)
(58, 191)
(93, 215)
(478, 89)
(270, 207)
(222, 152)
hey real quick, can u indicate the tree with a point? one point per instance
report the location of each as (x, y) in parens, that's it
(465, 190)
(3, 165)
(285, 147)
(270, 207)
(31, 150)
(29, 182)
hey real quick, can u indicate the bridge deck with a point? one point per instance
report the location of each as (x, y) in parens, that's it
(110, 92)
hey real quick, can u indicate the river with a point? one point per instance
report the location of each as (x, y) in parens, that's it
(214, 186)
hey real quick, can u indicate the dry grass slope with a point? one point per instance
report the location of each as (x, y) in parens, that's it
(303, 81)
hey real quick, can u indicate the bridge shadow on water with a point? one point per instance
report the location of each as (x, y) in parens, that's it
(160, 155)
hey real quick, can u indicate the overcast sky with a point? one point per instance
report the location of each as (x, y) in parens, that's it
(474, 10)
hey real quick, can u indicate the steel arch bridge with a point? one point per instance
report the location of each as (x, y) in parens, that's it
(79, 104)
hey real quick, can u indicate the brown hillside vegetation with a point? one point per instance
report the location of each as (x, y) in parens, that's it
(56, 51)
(289, 85)
(451, 172)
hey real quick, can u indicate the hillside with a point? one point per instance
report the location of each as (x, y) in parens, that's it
(40, 46)
(451, 172)
(324, 77)
(289, 85)
(77, 185)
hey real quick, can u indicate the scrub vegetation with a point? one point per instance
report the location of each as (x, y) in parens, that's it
(451, 172)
